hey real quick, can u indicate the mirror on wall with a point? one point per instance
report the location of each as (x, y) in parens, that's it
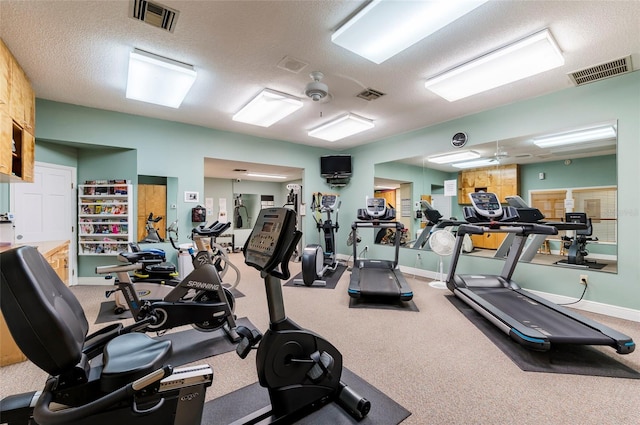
(245, 208)
(235, 191)
(577, 175)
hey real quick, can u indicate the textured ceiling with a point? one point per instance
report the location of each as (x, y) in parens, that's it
(77, 52)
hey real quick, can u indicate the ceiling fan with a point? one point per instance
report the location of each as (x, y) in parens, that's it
(500, 154)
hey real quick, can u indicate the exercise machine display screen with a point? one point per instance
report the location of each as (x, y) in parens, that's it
(270, 238)
(329, 202)
(486, 204)
(376, 207)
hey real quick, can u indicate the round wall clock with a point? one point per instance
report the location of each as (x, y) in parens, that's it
(459, 140)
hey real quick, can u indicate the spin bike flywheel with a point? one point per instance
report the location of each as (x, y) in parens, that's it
(214, 323)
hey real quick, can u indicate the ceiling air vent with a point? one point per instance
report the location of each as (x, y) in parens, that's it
(154, 14)
(370, 94)
(602, 71)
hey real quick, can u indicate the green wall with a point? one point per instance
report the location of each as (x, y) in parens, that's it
(607, 100)
(160, 155)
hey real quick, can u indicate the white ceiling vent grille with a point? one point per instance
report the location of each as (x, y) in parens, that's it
(154, 14)
(291, 64)
(370, 94)
(602, 71)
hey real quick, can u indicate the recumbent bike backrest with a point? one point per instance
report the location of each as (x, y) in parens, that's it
(45, 319)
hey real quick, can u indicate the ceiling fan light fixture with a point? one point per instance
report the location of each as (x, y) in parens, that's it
(382, 29)
(158, 80)
(524, 58)
(267, 108)
(341, 127)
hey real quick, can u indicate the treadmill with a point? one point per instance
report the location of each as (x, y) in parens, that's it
(530, 320)
(378, 279)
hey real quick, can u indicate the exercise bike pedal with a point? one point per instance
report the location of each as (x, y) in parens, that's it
(323, 363)
(249, 339)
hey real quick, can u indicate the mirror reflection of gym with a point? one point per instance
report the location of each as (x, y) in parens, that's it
(555, 180)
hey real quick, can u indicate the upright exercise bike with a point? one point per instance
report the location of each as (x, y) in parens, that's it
(316, 262)
(300, 369)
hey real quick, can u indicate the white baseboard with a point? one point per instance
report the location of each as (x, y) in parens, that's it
(593, 306)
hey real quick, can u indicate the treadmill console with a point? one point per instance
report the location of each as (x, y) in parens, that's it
(376, 207)
(486, 204)
(272, 240)
(527, 214)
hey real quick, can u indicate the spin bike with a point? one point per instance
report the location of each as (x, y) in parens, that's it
(316, 262)
(157, 278)
(199, 299)
(300, 369)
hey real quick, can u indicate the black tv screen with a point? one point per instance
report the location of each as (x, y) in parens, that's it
(335, 166)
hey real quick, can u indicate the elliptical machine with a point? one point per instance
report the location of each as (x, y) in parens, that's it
(300, 369)
(316, 262)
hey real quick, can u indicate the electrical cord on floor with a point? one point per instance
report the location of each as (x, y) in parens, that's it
(581, 296)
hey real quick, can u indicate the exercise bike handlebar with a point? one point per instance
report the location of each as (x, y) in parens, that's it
(118, 268)
(43, 415)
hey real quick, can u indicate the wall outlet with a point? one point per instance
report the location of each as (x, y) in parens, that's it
(584, 279)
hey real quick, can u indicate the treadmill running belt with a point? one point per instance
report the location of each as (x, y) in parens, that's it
(378, 283)
(555, 325)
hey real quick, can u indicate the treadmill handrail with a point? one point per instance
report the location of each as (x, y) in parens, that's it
(507, 227)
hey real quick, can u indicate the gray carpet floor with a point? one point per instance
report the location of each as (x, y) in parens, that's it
(435, 362)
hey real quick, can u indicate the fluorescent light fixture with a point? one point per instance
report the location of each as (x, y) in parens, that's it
(267, 108)
(266, 176)
(159, 80)
(383, 29)
(573, 137)
(341, 127)
(522, 59)
(453, 157)
(476, 163)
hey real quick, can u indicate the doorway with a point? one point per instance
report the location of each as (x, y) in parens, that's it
(45, 210)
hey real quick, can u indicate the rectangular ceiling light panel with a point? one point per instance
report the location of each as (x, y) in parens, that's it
(477, 163)
(344, 126)
(267, 108)
(267, 176)
(159, 80)
(529, 56)
(384, 28)
(454, 157)
(581, 136)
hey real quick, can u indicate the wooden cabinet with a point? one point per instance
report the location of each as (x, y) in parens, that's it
(58, 257)
(488, 240)
(502, 180)
(17, 120)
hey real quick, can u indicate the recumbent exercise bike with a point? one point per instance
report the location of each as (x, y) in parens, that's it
(134, 384)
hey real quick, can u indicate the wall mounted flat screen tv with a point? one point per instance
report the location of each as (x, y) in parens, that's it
(335, 166)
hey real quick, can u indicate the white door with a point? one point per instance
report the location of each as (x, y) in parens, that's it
(45, 210)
